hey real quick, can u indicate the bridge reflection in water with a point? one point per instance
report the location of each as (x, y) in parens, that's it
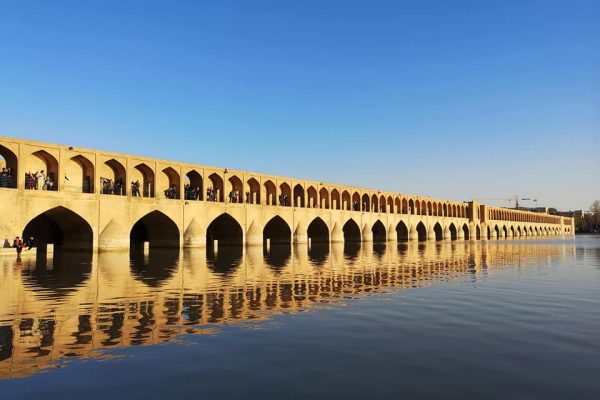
(79, 305)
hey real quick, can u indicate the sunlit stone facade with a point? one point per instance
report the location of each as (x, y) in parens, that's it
(244, 207)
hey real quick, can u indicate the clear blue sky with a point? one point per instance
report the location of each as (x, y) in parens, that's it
(477, 99)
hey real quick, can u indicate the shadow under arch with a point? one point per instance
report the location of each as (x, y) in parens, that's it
(318, 234)
(453, 232)
(228, 252)
(378, 230)
(156, 229)
(402, 232)
(61, 227)
(421, 232)
(317, 231)
(437, 229)
(351, 232)
(277, 231)
(157, 267)
(225, 230)
(279, 234)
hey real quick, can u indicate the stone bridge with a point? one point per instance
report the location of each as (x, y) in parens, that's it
(242, 208)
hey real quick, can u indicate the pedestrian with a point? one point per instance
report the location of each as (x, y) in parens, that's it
(30, 243)
(18, 244)
(40, 179)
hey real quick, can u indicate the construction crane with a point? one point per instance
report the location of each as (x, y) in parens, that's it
(514, 198)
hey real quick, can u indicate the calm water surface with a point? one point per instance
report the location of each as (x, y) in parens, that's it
(500, 320)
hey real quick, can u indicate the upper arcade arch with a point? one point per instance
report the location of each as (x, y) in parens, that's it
(113, 178)
(194, 185)
(170, 183)
(144, 175)
(270, 193)
(253, 191)
(11, 165)
(335, 200)
(299, 200)
(346, 201)
(215, 191)
(79, 175)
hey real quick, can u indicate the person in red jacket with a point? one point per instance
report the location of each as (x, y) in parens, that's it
(18, 244)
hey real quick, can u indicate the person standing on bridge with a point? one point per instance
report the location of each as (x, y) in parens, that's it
(40, 179)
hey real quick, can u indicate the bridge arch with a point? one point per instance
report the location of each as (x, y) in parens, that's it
(216, 188)
(49, 164)
(356, 206)
(346, 201)
(145, 175)
(439, 234)
(374, 203)
(271, 193)
(299, 196)
(366, 203)
(318, 231)
(477, 232)
(79, 174)
(156, 229)
(10, 161)
(335, 199)
(277, 231)
(421, 232)
(453, 232)
(235, 190)
(466, 232)
(351, 232)
(226, 230)
(398, 204)
(61, 227)
(170, 179)
(312, 197)
(379, 232)
(402, 231)
(115, 171)
(196, 184)
(323, 198)
(252, 195)
(286, 192)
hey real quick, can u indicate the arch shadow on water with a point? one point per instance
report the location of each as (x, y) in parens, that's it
(379, 249)
(278, 256)
(59, 275)
(225, 260)
(351, 250)
(318, 253)
(155, 268)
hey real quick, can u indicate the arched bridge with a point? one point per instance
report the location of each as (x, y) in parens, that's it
(76, 198)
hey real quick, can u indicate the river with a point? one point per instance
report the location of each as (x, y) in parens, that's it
(497, 320)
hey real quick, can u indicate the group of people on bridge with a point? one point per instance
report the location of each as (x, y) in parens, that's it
(6, 178)
(110, 187)
(39, 181)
